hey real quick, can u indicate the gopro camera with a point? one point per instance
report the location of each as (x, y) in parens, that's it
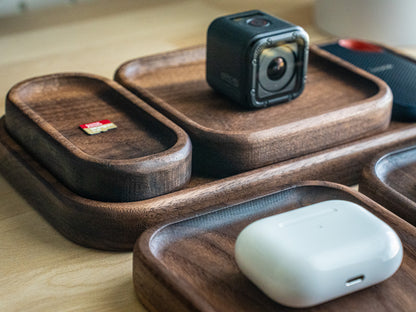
(256, 59)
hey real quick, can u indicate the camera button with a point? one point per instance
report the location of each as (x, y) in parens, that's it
(258, 22)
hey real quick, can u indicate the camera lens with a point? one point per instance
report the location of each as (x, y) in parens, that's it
(276, 68)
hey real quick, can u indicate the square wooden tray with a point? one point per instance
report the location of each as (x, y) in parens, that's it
(116, 226)
(189, 265)
(390, 179)
(340, 103)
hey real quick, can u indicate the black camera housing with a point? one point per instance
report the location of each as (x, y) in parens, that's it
(256, 59)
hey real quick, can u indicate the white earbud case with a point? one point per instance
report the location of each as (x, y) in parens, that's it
(317, 253)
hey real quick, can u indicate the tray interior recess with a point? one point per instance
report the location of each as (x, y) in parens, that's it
(183, 87)
(391, 180)
(340, 103)
(192, 261)
(65, 102)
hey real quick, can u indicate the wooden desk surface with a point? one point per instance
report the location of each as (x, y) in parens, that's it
(39, 269)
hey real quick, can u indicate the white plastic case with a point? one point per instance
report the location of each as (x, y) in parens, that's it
(317, 253)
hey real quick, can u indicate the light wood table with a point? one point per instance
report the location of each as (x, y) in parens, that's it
(39, 269)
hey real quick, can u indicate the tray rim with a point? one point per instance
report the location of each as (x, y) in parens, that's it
(181, 146)
(380, 99)
(369, 176)
(180, 288)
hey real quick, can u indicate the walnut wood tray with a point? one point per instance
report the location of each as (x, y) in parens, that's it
(340, 103)
(189, 265)
(390, 179)
(146, 156)
(116, 226)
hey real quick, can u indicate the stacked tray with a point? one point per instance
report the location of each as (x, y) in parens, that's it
(340, 103)
(146, 155)
(128, 179)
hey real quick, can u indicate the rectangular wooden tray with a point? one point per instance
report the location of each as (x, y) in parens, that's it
(340, 103)
(390, 179)
(116, 226)
(189, 265)
(147, 155)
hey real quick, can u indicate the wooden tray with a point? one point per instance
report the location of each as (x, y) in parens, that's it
(390, 179)
(116, 226)
(146, 156)
(189, 265)
(340, 103)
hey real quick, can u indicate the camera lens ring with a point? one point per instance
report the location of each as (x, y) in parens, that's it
(269, 55)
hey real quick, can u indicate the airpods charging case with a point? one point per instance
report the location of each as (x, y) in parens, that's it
(313, 254)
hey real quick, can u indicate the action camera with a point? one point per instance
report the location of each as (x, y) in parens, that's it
(256, 59)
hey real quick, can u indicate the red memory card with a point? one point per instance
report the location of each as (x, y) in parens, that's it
(98, 126)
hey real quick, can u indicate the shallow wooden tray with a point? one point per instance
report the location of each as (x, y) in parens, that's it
(340, 103)
(390, 179)
(146, 156)
(189, 265)
(116, 226)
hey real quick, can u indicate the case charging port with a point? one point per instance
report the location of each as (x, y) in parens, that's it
(355, 280)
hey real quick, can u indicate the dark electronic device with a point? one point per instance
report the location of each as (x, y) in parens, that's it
(398, 71)
(256, 59)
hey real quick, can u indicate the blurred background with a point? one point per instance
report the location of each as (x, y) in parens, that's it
(39, 37)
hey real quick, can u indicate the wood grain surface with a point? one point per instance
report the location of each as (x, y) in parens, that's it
(145, 156)
(340, 103)
(40, 270)
(192, 261)
(117, 225)
(390, 179)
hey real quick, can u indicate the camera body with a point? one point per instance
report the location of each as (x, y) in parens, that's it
(256, 59)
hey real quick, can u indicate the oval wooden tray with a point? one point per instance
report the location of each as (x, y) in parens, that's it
(146, 156)
(116, 226)
(340, 103)
(390, 179)
(189, 265)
